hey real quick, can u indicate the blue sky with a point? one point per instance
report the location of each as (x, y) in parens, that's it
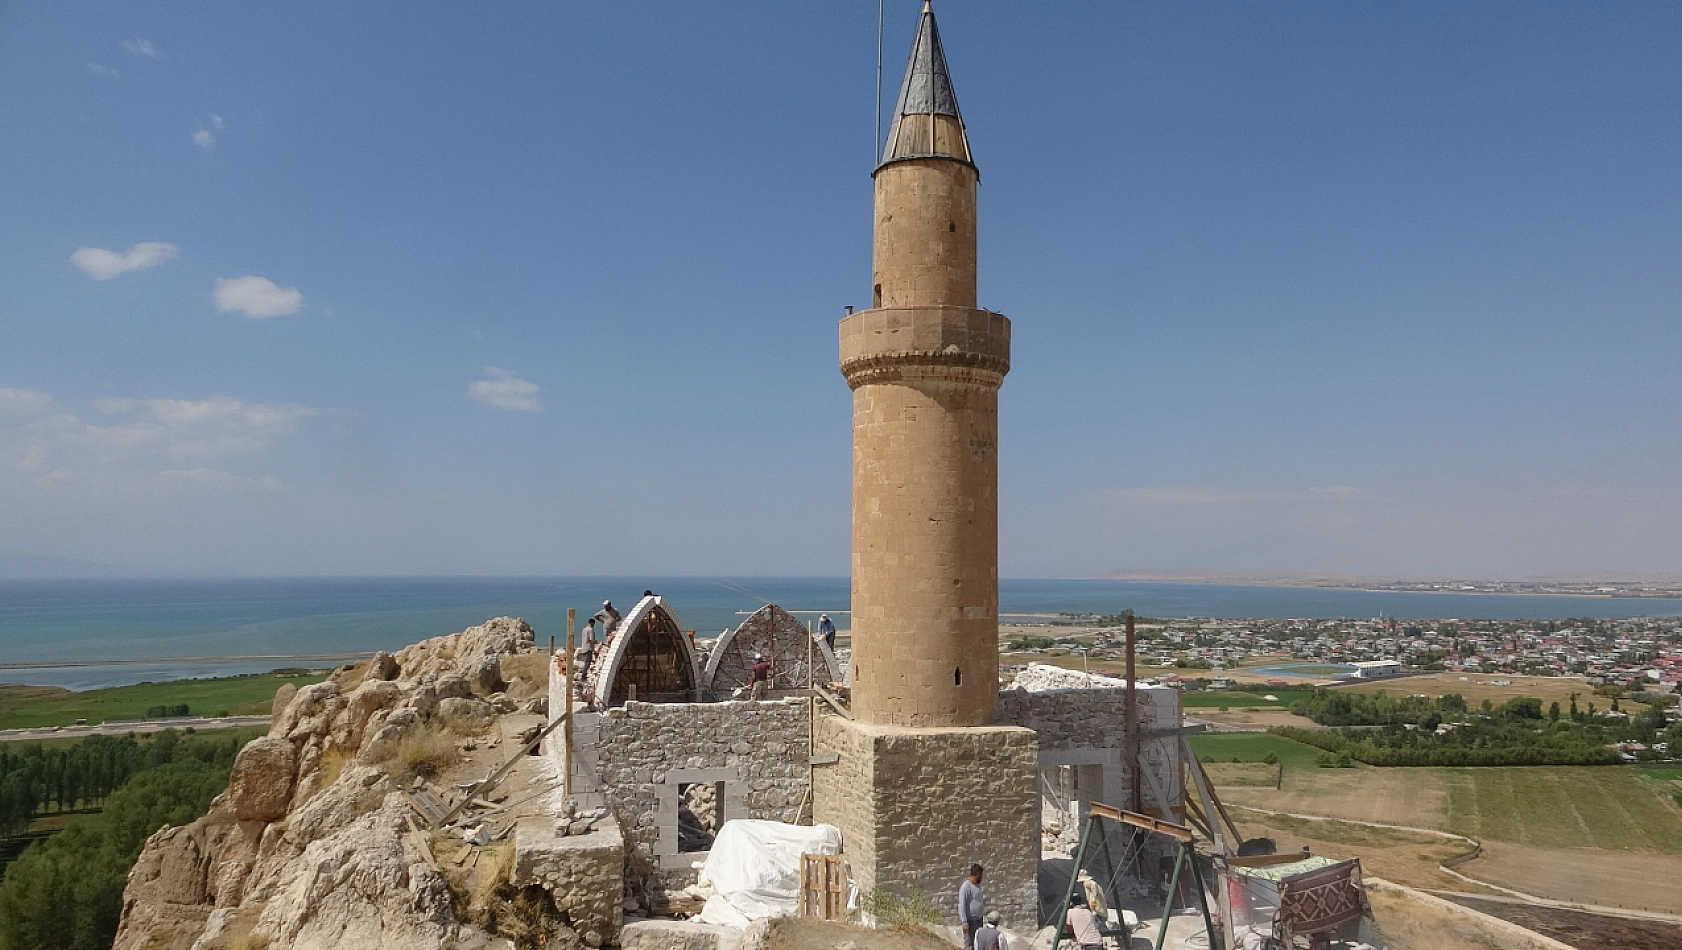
(552, 288)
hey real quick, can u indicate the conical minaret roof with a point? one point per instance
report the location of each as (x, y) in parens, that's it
(926, 121)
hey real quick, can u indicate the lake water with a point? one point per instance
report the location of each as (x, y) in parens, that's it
(101, 632)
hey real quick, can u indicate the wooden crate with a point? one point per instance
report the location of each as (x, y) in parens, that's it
(823, 886)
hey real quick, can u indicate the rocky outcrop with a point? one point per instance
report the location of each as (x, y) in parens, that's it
(260, 786)
(309, 846)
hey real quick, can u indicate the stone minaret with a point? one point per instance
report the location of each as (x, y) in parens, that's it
(920, 780)
(925, 367)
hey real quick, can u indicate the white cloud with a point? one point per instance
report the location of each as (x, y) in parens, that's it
(504, 390)
(256, 297)
(216, 121)
(105, 71)
(141, 46)
(203, 138)
(101, 264)
(204, 428)
(217, 480)
(144, 445)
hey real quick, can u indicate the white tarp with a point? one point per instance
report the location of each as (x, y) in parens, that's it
(754, 868)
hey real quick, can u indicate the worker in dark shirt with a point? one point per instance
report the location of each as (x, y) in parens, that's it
(761, 675)
(826, 629)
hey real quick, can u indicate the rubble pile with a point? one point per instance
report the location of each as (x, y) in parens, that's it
(1039, 677)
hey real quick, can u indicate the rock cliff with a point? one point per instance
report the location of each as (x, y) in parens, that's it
(309, 847)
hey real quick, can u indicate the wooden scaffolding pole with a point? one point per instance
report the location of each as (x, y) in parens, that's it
(566, 781)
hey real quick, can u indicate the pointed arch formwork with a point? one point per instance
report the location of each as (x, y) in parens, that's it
(650, 651)
(779, 635)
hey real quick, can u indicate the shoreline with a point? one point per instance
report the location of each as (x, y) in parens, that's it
(1354, 588)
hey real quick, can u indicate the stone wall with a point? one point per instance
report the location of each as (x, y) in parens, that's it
(917, 806)
(584, 873)
(1087, 728)
(644, 752)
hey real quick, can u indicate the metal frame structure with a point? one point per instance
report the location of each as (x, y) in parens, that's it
(1186, 854)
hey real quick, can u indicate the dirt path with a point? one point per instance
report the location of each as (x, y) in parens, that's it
(1582, 876)
(1580, 930)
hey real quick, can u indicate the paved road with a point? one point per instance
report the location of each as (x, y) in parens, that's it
(124, 728)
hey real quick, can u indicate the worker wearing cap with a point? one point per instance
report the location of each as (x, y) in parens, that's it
(826, 629)
(761, 675)
(988, 936)
(609, 617)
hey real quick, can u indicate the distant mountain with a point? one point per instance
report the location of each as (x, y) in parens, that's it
(33, 566)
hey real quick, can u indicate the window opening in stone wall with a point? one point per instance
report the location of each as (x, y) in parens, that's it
(958, 676)
(876, 296)
(700, 813)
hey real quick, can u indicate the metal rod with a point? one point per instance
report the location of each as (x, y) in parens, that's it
(876, 144)
(1074, 878)
(1168, 903)
(1203, 899)
(1136, 799)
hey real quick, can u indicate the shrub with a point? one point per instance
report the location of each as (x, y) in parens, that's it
(423, 753)
(1271, 758)
(916, 912)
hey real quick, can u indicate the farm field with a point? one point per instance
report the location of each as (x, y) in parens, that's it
(1608, 835)
(1252, 719)
(1476, 688)
(33, 706)
(1254, 747)
(1608, 808)
(1215, 698)
(1416, 798)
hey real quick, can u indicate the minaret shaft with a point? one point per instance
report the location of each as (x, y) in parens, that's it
(925, 367)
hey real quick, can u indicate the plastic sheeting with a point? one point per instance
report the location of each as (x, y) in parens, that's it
(754, 868)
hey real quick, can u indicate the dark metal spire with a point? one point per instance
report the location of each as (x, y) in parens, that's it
(926, 122)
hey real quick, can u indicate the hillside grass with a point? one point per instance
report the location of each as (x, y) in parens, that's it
(25, 707)
(1602, 807)
(1253, 747)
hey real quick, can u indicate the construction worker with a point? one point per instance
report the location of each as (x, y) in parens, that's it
(826, 628)
(989, 937)
(761, 676)
(972, 905)
(587, 651)
(609, 617)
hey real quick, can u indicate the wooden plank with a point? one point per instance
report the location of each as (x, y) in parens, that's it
(827, 759)
(823, 886)
(424, 845)
(1201, 780)
(1172, 830)
(832, 701)
(507, 767)
(1212, 806)
(426, 803)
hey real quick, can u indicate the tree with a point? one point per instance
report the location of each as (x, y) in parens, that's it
(1553, 711)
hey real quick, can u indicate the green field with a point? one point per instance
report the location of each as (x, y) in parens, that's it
(1239, 698)
(1606, 807)
(1251, 747)
(23, 707)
